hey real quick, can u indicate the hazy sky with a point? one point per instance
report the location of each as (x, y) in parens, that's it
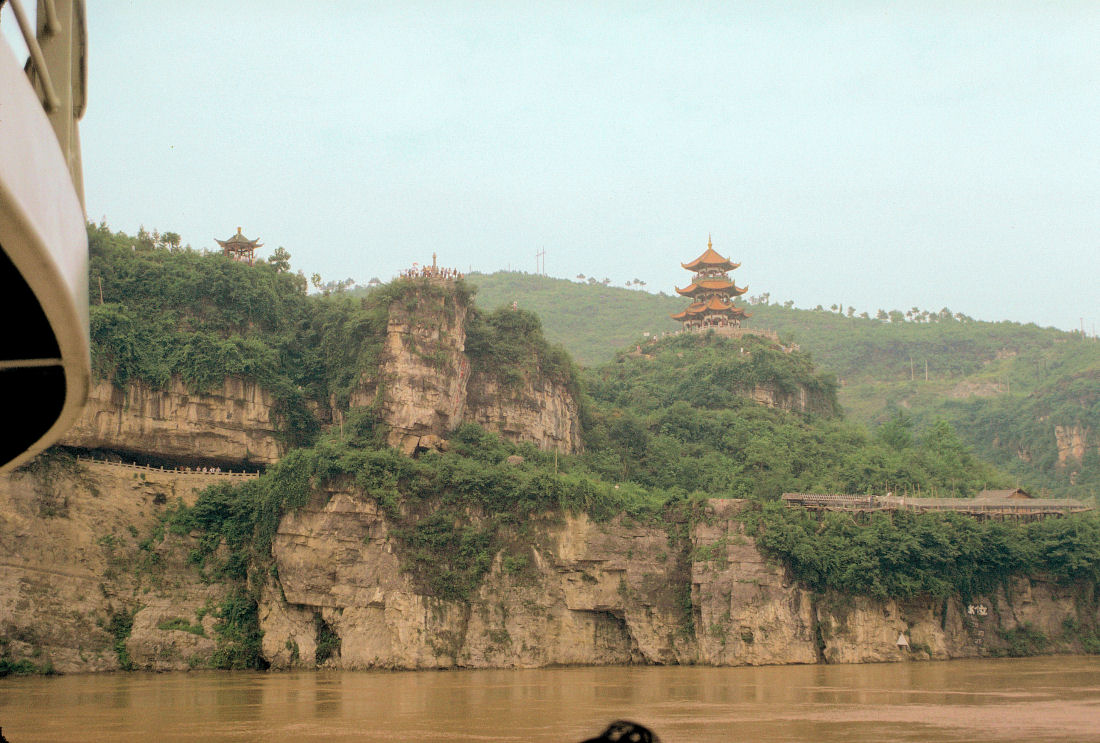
(871, 154)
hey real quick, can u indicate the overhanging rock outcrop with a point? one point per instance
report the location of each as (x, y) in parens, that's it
(232, 424)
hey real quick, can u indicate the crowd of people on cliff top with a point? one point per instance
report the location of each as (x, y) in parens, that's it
(430, 272)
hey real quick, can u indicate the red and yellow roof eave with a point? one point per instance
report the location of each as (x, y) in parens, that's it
(713, 306)
(712, 285)
(710, 259)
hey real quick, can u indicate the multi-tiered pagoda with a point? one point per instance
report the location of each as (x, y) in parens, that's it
(713, 293)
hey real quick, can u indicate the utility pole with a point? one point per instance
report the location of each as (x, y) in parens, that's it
(540, 254)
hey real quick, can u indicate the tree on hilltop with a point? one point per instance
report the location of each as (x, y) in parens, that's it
(280, 260)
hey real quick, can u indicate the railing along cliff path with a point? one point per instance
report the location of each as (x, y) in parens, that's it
(1031, 507)
(169, 470)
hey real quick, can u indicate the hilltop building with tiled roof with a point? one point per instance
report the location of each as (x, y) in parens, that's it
(240, 248)
(713, 292)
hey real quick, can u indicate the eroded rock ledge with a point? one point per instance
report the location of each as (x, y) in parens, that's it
(234, 424)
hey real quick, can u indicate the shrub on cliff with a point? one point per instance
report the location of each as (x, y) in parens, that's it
(709, 371)
(902, 555)
(509, 344)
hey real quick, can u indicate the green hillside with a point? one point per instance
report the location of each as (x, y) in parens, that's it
(677, 418)
(1005, 387)
(592, 321)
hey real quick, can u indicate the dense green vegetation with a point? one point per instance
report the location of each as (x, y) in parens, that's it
(905, 555)
(160, 310)
(1027, 379)
(510, 345)
(671, 418)
(710, 371)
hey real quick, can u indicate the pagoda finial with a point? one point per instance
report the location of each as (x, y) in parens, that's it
(709, 245)
(238, 230)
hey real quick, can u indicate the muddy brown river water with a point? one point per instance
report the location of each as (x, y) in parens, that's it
(1034, 699)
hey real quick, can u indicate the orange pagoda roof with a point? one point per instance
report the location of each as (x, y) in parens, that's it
(713, 306)
(712, 285)
(691, 311)
(710, 259)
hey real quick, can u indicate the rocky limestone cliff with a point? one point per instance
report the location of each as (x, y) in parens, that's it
(71, 564)
(610, 593)
(76, 557)
(232, 425)
(425, 385)
(1072, 443)
(755, 612)
(420, 383)
(799, 400)
(590, 594)
(540, 411)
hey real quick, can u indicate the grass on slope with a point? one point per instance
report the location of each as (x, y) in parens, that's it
(591, 321)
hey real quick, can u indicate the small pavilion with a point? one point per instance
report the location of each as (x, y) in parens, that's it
(713, 293)
(240, 248)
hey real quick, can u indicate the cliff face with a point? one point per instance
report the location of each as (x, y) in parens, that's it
(799, 400)
(81, 580)
(589, 594)
(540, 411)
(609, 593)
(420, 384)
(73, 573)
(425, 386)
(751, 613)
(231, 425)
(1072, 443)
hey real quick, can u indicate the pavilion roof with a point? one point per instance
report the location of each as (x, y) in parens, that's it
(239, 240)
(1017, 493)
(713, 306)
(710, 259)
(712, 285)
(690, 311)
